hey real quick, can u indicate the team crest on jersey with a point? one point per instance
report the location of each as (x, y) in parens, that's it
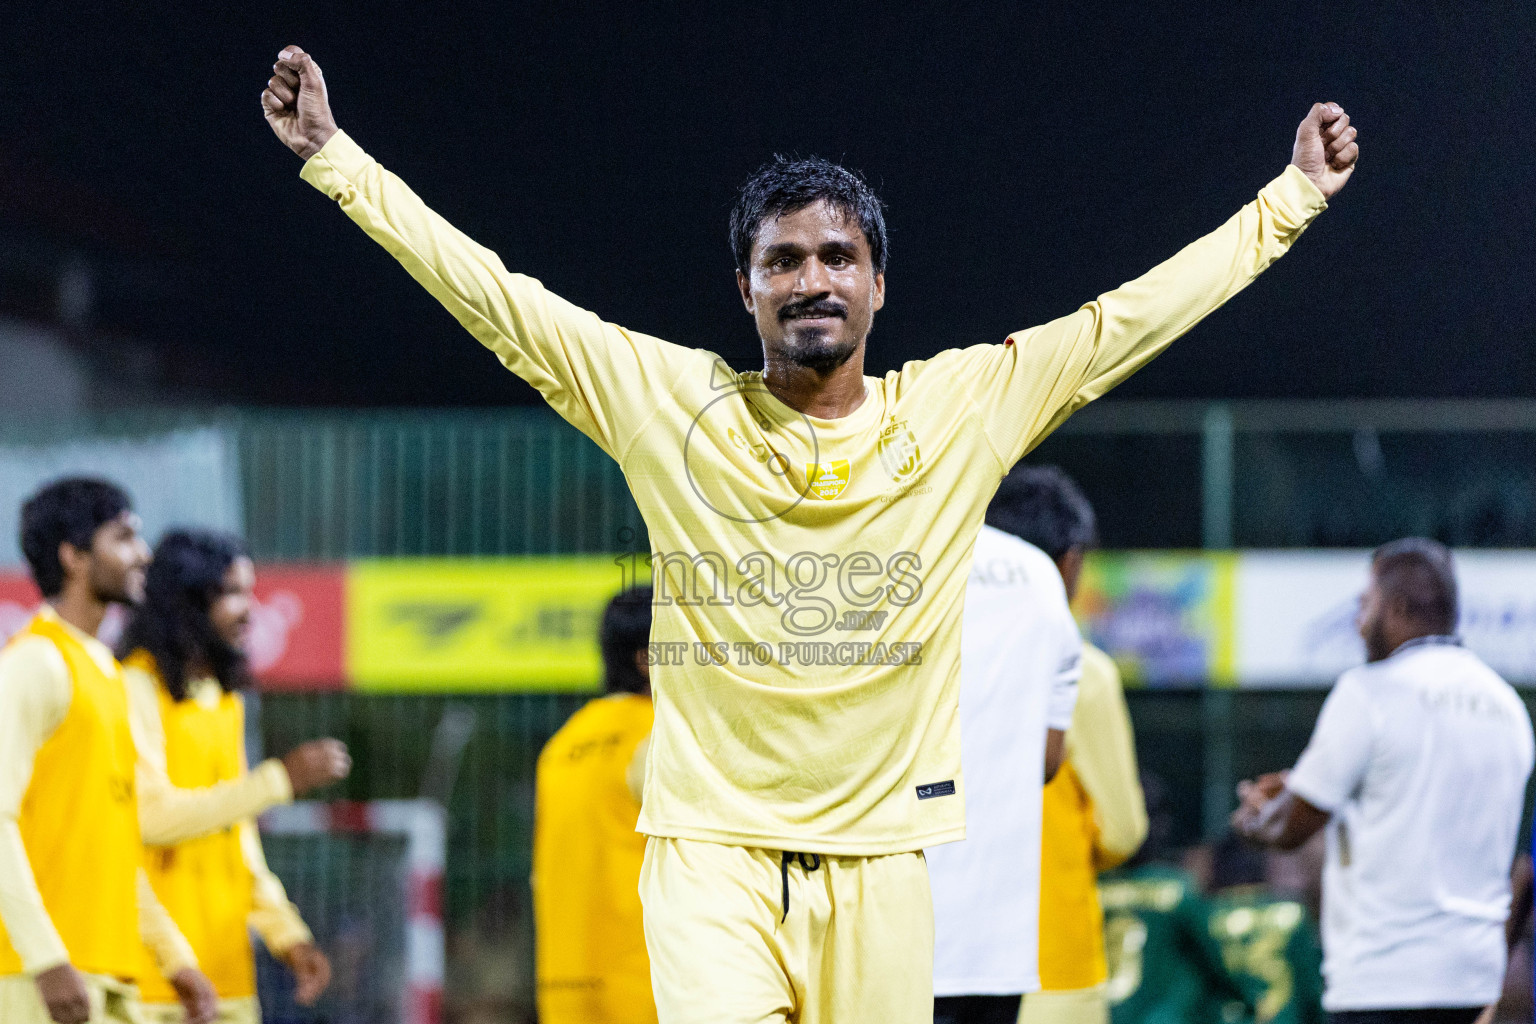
(827, 479)
(898, 451)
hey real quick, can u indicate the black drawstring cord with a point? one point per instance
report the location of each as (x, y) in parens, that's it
(784, 859)
(784, 875)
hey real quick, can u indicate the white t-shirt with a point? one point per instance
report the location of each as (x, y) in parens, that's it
(1422, 760)
(1020, 658)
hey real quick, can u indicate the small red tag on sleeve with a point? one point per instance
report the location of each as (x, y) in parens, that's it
(1008, 341)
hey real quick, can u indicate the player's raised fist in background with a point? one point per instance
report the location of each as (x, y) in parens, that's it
(296, 105)
(1325, 149)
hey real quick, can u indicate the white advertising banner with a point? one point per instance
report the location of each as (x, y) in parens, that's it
(1294, 614)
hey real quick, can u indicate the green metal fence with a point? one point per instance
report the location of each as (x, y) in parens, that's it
(1279, 474)
(326, 485)
(463, 483)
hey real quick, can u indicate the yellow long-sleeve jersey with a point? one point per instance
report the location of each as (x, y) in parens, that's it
(810, 573)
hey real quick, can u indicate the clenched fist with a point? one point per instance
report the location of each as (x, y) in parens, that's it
(295, 103)
(1326, 149)
(317, 764)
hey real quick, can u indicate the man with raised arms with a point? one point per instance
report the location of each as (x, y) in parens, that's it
(786, 803)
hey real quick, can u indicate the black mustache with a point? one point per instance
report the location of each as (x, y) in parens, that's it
(813, 308)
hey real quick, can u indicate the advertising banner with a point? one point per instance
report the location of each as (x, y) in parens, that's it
(1498, 610)
(477, 624)
(1166, 618)
(18, 601)
(298, 627)
(1170, 619)
(1296, 613)
(1296, 616)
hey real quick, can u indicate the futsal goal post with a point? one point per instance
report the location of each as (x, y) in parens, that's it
(368, 879)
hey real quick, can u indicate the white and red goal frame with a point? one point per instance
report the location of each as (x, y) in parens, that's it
(424, 826)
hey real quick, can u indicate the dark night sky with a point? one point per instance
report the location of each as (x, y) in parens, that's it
(1030, 160)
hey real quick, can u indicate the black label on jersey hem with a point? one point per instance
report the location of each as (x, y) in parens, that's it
(933, 789)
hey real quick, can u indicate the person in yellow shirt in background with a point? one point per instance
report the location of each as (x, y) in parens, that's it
(184, 658)
(590, 959)
(170, 814)
(1095, 815)
(76, 909)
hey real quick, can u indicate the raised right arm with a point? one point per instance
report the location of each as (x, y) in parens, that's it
(603, 379)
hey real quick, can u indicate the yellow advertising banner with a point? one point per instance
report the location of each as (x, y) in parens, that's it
(482, 624)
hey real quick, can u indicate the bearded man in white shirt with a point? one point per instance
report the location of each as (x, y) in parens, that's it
(1417, 768)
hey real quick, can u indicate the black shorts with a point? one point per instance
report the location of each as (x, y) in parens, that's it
(1433, 1015)
(976, 1010)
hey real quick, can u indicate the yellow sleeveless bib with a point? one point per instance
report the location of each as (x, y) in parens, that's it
(204, 883)
(79, 821)
(1071, 923)
(591, 962)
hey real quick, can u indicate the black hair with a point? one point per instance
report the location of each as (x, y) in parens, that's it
(626, 629)
(783, 185)
(1420, 573)
(1042, 505)
(71, 509)
(173, 625)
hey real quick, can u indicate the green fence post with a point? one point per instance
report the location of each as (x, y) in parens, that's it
(1217, 457)
(1219, 789)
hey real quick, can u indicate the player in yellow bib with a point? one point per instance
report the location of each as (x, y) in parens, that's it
(1094, 813)
(811, 531)
(76, 908)
(185, 656)
(590, 957)
(1094, 819)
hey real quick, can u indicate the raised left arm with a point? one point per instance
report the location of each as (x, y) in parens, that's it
(1030, 385)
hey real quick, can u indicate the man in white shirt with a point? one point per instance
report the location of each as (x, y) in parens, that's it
(1417, 767)
(1021, 655)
